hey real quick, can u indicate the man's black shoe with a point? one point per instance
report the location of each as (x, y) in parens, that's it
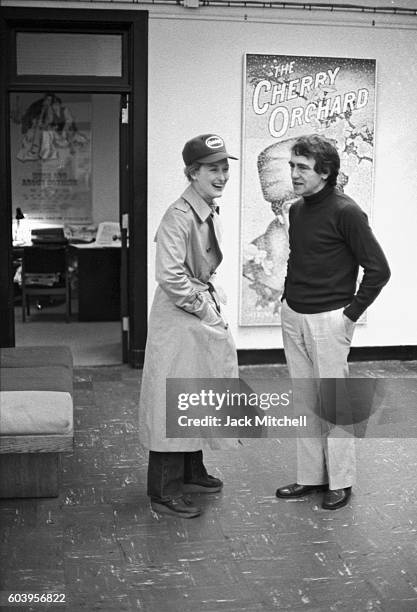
(180, 507)
(297, 490)
(209, 484)
(336, 498)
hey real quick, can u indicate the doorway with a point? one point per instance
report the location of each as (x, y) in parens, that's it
(65, 186)
(86, 61)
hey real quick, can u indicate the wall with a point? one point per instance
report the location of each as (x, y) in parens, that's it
(195, 85)
(77, 57)
(105, 157)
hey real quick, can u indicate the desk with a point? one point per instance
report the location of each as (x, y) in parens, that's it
(98, 282)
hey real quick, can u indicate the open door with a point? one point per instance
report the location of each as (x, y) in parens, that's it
(83, 52)
(69, 177)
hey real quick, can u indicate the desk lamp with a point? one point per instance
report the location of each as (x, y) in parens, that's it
(19, 216)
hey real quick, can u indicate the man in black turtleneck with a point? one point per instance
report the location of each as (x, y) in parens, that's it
(329, 238)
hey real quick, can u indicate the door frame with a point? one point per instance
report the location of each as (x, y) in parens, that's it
(133, 25)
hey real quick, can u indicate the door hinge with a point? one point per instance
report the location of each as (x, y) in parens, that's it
(125, 110)
(125, 227)
(125, 324)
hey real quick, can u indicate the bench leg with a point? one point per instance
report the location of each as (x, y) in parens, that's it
(29, 475)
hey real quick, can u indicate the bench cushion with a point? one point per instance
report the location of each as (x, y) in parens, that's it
(35, 412)
(36, 391)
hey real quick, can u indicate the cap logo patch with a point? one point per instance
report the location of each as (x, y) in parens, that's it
(214, 142)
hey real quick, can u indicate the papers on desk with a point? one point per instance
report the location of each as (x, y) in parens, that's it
(82, 234)
(108, 234)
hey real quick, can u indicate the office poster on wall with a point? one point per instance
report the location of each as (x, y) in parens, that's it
(286, 97)
(50, 140)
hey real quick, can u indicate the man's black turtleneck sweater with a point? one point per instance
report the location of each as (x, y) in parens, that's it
(329, 239)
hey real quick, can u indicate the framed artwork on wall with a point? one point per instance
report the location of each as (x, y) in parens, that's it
(50, 148)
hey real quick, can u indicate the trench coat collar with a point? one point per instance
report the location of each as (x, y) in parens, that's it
(200, 207)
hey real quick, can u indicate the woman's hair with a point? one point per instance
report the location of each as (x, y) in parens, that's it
(190, 169)
(323, 152)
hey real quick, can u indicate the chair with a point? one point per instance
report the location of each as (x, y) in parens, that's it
(50, 264)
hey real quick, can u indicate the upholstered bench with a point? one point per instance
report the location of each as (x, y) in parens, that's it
(36, 418)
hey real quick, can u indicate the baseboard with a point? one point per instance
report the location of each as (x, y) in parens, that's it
(260, 356)
(383, 353)
(360, 353)
(269, 356)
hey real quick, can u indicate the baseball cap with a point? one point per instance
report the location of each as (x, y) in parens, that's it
(206, 148)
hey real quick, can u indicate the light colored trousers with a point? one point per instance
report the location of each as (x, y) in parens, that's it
(316, 347)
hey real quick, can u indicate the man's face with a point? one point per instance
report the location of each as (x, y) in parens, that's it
(305, 179)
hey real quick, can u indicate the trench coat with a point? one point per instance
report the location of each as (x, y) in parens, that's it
(187, 337)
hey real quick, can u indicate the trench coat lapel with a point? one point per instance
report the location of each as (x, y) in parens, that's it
(217, 228)
(203, 212)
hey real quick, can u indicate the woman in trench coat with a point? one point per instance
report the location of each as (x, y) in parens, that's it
(187, 334)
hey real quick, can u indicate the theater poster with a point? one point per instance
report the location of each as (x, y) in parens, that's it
(286, 97)
(50, 144)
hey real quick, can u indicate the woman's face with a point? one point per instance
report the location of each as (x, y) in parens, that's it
(210, 179)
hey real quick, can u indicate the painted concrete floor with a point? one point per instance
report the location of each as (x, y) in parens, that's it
(93, 343)
(99, 544)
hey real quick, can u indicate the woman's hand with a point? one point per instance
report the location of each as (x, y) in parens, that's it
(214, 318)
